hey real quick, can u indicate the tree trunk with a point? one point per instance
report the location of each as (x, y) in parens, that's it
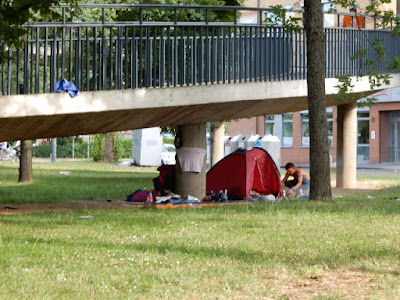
(25, 162)
(320, 188)
(109, 148)
(217, 142)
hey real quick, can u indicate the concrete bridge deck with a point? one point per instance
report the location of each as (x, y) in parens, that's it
(56, 115)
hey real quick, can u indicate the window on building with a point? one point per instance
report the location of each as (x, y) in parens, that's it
(287, 134)
(363, 128)
(329, 119)
(269, 125)
(305, 129)
(363, 136)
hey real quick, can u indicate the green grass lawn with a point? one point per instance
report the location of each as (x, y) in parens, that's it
(345, 249)
(88, 181)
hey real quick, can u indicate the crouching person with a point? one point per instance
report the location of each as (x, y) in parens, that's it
(300, 182)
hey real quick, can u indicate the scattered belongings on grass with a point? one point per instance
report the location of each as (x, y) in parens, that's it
(66, 173)
(10, 207)
(85, 217)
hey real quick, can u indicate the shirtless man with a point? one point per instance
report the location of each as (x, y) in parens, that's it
(301, 180)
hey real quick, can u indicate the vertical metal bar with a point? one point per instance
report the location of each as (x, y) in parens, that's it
(200, 58)
(285, 37)
(103, 54)
(134, 60)
(147, 59)
(9, 72)
(17, 88)
(251, 58)
(168, 58)
(63, 50)
(175, 57)
(31, 69)
(258, 54)
(230, 55)
(241, 57)
(235, 52)
(224, 44)
(162, 58)
(126, 57)
(175, 16)
(87, 59)
(213, 56)
(70, 53)
(52, 60)
(304, 63)
(182, 57)
(247, 53)
(154, 77)
(340, 53)
(111, 60)
(37, 61)
(274, 54)
(95, 75)
(194, 56)
(271, 66)
(219, 54)
(57, 58)
(208, 56)
(2, 82)
(140, 45)
(265, 54)
(118, 60)
(45, 60)
(279, 54)
(78, 60)
(26, 68)
(189, 51)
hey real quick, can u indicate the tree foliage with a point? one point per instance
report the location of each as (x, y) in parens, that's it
(14, 13)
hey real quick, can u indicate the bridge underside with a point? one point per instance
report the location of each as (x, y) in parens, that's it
(57, 115)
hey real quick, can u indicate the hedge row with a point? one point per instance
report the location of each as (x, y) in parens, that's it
(80, 149)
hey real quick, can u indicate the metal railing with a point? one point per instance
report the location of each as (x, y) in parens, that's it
(136, 54)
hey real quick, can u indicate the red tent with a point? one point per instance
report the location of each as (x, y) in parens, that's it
(243, 171)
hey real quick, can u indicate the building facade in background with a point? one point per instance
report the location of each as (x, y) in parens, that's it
(378, 131)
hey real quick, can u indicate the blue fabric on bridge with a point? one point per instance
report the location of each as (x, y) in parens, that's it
(64, 85)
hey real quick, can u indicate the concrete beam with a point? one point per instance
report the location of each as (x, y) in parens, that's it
(57, 115)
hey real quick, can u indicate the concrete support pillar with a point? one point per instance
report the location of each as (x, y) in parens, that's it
(346, 160)
(217, 142)
(191, 183)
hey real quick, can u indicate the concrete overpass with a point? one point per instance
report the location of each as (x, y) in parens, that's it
(57, 114)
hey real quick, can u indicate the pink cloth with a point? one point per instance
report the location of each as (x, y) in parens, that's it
(191, 159)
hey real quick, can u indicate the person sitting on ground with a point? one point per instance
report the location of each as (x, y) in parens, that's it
(300, 182)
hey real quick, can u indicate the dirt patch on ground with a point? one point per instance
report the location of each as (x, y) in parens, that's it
(340, 284)
(13, 209)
